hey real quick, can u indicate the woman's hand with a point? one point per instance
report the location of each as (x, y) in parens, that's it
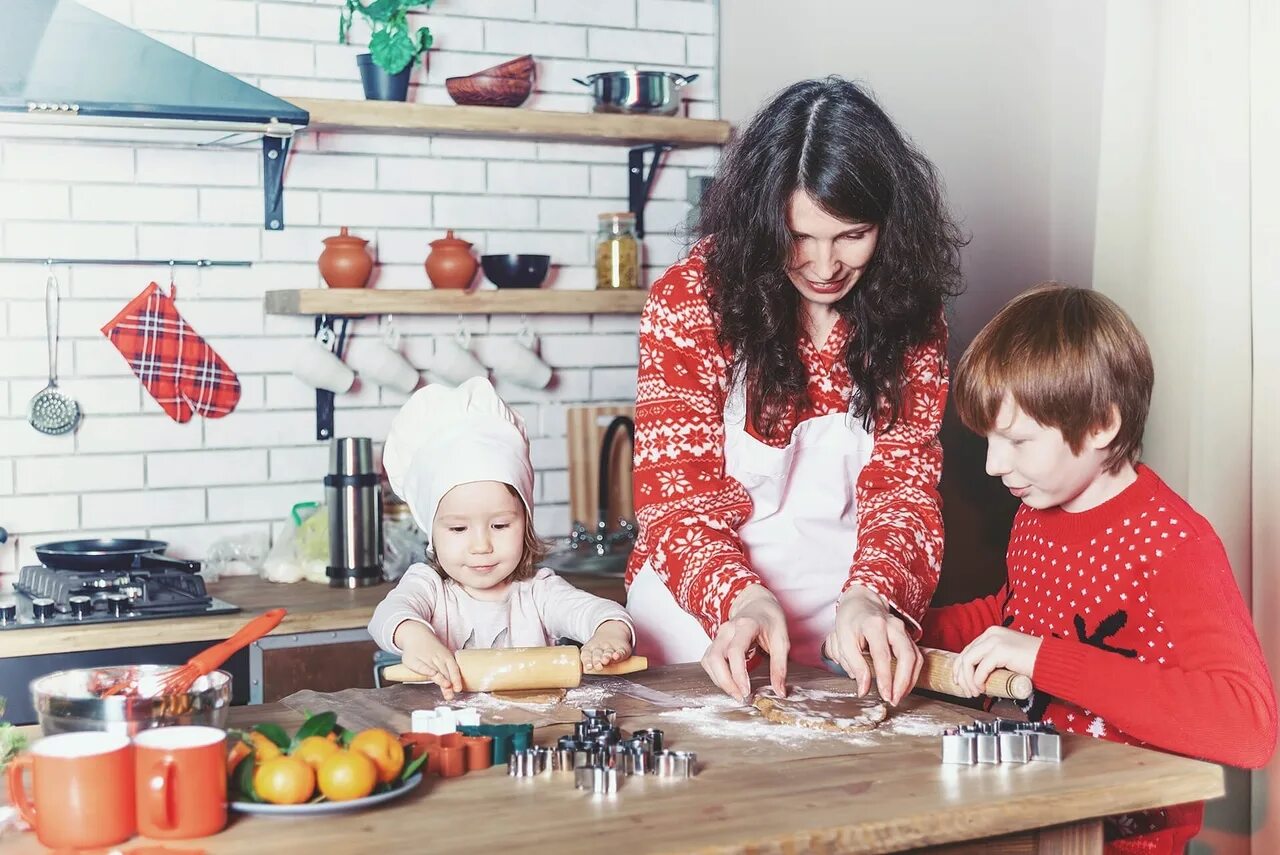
(611, 642)
(426, 654)
(754, 618)
(864, 623)
(997, 647)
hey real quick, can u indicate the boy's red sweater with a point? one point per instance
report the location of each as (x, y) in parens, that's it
(1147, 640)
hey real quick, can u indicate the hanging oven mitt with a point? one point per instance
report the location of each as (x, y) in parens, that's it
(180, 370)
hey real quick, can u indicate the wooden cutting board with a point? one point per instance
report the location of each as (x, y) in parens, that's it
(585, 434)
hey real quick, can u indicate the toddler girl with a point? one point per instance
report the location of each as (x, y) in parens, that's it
(460, 459)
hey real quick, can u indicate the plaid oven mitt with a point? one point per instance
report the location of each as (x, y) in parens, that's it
(180, 370)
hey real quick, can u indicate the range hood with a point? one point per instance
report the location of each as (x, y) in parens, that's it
(61, 63)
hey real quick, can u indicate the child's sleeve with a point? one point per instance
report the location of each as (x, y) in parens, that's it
(1217, 702)
(953, 627)
(414, 598)
(569, 612)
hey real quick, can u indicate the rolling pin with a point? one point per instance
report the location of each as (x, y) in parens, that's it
(935, 676)
(516, 668)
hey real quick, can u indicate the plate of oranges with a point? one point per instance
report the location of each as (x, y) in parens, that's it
(322, 768)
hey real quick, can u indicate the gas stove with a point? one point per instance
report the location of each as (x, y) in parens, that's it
(47, 596)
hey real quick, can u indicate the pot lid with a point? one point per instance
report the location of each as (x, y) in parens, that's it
(344, 237)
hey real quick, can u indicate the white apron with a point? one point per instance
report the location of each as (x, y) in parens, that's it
(800, 537)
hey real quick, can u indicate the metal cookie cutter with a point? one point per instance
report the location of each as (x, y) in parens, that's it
(636, 755)
(651, 735)
(596, 779)
(676, 764)
(1001, 741)
(528, 763)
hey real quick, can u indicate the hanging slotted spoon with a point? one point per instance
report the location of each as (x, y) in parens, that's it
(51, 411)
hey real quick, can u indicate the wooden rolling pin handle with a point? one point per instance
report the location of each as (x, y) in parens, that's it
(936, 675)
(401, 673)
(626, 666)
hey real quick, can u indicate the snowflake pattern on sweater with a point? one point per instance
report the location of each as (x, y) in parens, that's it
(689, 511)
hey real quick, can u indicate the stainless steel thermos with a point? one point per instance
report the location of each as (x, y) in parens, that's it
(354, 500)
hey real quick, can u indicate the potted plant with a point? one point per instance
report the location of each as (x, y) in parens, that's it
(393, 47)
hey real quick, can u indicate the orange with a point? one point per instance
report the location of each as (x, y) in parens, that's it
(314, 750)
(383, 748)
(347, 775)
(285, 781)
(263, 749)
(239, 750)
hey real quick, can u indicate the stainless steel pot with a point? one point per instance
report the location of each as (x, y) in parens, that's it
(65, 701)
(651, 92)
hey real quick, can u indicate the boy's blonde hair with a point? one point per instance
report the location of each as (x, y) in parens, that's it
(535, 550)
(1067, 356)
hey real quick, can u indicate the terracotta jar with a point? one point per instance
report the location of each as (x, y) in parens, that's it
(345, 263)
(450, 263)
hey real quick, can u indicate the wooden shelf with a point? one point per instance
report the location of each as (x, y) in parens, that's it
(357, 301)
(499, 122)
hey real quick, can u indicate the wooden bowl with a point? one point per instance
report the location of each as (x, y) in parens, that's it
(521, 66)
(481, 90)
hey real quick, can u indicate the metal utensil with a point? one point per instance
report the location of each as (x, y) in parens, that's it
(67, 701)
(633, 91)
(111, 553)
(51, 411)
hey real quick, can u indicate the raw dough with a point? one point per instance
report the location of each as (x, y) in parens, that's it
(538, 697)
(822, 710)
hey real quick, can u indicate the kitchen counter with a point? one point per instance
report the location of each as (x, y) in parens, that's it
(312, 608)
(759, 788)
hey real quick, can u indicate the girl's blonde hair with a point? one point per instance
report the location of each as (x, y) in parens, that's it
(535, 550)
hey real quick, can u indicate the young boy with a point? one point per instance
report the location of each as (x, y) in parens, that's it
(1119, 603)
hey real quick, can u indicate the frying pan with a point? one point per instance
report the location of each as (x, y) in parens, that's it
(111, 553)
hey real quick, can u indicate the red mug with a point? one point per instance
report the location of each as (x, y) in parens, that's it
(181, 783)
(82, 790)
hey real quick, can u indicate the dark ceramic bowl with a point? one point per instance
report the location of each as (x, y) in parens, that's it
(484, 91)
(515, 271)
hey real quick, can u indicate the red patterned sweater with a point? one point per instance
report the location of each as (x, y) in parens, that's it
(689, 511)
(1147, 640)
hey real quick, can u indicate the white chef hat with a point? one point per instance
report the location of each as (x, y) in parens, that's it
(445, 436)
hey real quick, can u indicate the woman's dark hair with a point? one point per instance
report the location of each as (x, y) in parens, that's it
(829, 139)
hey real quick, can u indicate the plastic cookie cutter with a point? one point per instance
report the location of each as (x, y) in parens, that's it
(442, 720)
(1001, 741)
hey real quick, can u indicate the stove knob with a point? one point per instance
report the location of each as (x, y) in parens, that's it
(118, 604)
(42, 608)
(81, 606)
(8, 613)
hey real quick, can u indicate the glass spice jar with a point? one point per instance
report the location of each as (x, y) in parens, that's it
(617, 252)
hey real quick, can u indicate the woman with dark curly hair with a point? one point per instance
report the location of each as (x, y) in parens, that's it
(791, 387)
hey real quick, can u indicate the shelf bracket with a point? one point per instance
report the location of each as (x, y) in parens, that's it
(640, 182)
(324, 398)
(274, 152)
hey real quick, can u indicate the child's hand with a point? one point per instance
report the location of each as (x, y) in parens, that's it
(998, 647)
(427, 655)
(610, 643)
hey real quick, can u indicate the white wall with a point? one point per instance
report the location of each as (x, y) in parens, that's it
(129, 470)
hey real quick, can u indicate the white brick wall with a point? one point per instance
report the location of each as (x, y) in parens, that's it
(130, 470)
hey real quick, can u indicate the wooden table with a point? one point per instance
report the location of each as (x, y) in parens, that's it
(881, 792)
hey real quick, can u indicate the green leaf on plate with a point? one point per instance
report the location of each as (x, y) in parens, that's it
(346, 738)
(244, 779)
(321, 724)
(275, 733)
(412, 766)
